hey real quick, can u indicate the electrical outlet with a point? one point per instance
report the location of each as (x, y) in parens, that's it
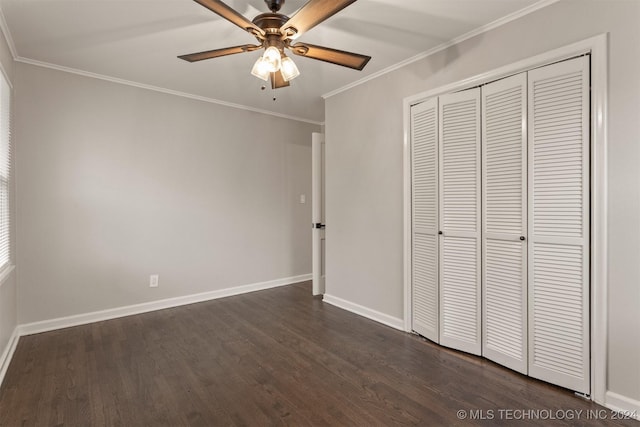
(153, 281)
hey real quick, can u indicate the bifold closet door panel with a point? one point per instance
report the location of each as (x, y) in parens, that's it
(424, 213)
(558, 247)
(504, 208)
(459, 184)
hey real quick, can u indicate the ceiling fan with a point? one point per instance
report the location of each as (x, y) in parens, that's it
(276, 32)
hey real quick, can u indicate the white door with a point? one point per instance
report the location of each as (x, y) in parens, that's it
(459, 179)
(559, 224)
(317, 216)
(424, 218)
(504, 219)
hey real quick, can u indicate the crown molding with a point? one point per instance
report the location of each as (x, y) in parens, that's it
(483, 29)
(159, 89)
(12, 48)
(497, 23)
(4, 28)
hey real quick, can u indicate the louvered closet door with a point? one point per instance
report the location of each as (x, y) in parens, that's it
(424, 158)
(459, 179)
(504, 208)
(559, 224)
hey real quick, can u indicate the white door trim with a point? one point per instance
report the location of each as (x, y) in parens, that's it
(317, 171)
(597, 47)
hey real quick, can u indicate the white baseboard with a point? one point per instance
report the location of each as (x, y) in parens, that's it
(7, 354)
(97, 316)
(622, 404)
(361, 310)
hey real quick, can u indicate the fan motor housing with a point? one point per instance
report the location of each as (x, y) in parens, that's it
(270, 22)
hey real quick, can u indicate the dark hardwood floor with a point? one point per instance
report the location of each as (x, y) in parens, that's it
(267, 358)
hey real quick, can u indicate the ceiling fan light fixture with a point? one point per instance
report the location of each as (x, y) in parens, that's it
(275, 32)
(272, 58)
(289, 69)
(261, 69)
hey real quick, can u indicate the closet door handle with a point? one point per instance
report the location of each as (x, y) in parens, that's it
(439, 232)
(521, 237)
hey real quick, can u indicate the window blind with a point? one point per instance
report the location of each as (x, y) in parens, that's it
(5, 172)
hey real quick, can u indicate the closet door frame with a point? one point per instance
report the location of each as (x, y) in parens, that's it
(597, 48)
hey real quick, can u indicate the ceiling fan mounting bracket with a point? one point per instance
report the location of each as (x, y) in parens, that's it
(289, 32)
(300, 50)
(274, 5)
(255, 33)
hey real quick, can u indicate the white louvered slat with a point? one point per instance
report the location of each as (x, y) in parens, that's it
(459, 286)
(459, 190)
(558, 310)
(424, 158)
(558, 247)
(425, 288)
(505, 310)
(504, 186)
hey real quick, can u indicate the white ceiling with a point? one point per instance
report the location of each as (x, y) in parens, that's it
(138, 41)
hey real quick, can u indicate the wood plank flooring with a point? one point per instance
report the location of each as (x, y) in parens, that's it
(275, 357)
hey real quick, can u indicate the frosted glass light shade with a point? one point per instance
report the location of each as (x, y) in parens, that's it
(261, 69)
(289, 69)
(272, 57)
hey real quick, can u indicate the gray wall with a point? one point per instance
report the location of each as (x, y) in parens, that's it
(364, 149)
(116, 183)
(8, 302)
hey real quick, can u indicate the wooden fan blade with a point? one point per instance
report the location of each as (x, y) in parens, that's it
(277, 81)
(231, 15)
(333, 56)
(311, 14)
(208, 54)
